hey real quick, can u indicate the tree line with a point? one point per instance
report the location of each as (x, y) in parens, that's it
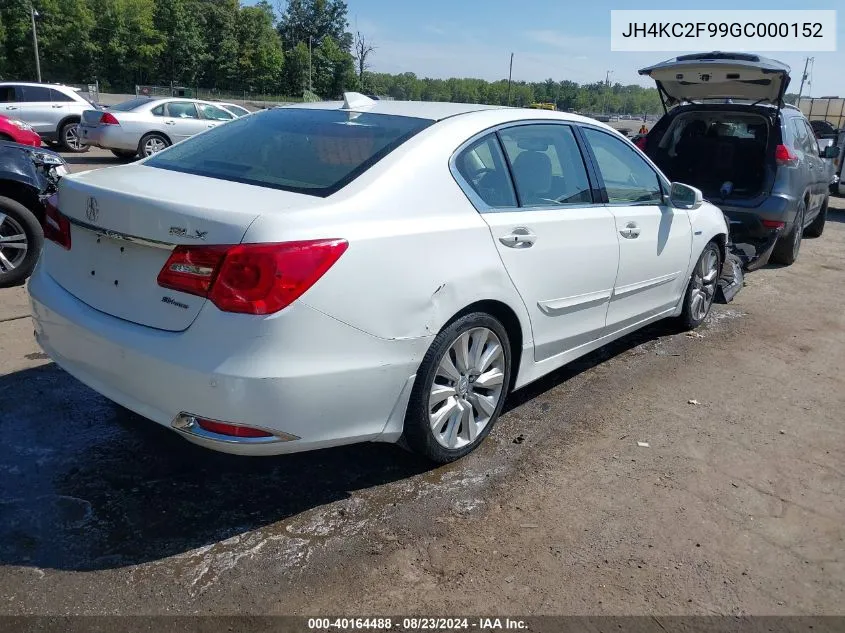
(221, 45)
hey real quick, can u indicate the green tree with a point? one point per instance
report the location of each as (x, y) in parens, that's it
(315, 19)
(222, 35)
(260, 58)
(18, 56)
(333, 69)
(185, 49)
(295, 77)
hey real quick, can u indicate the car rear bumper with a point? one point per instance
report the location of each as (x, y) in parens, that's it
(304, 376)
(108, 137)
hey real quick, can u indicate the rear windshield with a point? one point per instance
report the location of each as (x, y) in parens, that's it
(304, 150)
(127, 106)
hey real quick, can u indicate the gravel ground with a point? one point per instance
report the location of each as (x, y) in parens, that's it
(734, 507)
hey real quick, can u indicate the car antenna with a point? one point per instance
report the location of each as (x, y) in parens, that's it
(356, 101)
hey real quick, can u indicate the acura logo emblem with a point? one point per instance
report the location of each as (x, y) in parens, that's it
(92, 211)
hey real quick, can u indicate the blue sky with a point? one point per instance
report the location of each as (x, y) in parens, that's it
(558, 39)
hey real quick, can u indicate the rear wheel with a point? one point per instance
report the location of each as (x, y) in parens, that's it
(788, 245)
(69, 138)
(124, 154)
(816, 227)
(702, 287)
(152, 144)
(460, 388)
(21, 239)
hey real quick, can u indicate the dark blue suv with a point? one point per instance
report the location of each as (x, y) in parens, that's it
(728, 132)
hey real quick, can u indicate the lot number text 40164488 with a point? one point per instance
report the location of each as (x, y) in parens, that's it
(417, 624)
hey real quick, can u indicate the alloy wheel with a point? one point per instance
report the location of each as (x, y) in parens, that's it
(13, 244)
(153, 146)
(704, 279)
(72, 137)
(467, 387)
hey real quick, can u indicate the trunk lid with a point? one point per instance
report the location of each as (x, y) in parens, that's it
(717, 75)
(125, 221)
(92, 117)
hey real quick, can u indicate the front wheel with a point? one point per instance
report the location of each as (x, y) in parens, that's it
(460, 388)
(21, 239)
(701, 289)
(816, 227)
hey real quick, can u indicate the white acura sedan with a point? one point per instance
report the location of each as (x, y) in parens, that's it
(331, 273)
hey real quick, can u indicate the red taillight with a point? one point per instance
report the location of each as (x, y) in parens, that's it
(56, 226)
(784, 156)
(250, 278)
(108, 119)
(641, 142)
(233, 430)
(192, 269)
(773, 224)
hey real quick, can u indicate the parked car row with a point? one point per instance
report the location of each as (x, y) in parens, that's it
(144, 126)
(330, 273)
(60, 114)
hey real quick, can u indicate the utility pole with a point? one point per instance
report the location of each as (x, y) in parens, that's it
(803, 79)
(33, 13)
(310, 86)
(510, 75)
(607, 90)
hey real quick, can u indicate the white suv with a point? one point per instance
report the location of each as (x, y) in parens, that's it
(53, 111)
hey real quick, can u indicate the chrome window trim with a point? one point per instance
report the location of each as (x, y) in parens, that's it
(117, 235)
(483, 207)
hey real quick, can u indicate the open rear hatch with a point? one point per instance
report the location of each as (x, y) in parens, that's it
(708, 76)
(125, 222)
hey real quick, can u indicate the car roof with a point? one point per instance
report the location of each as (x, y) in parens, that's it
(36, 84)
(432, 110)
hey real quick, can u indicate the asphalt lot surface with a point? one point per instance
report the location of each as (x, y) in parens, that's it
(735, 507)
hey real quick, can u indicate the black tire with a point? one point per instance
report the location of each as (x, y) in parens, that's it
(816, 227)
(21, 218)
(789, 244)
(69, 138)
(142, 145)
(124, 154)
(689, 320)
(418, 433)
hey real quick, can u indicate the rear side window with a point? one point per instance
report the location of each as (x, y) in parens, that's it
(310, 151)
(34, 94)
(547, 165)
(158, 110)
(628, 179)
(7, 94)
(802, 137)
(483, 167)
(55, 95)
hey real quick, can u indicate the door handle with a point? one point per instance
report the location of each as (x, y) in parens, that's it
(631, 231)
(55, 105)
(519, 238)
(11, 107)
(211, 125)
(170, 122)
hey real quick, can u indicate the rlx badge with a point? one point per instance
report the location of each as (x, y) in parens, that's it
(183, 232)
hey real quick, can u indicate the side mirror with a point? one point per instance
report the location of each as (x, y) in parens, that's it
(831, 151)
(683, 196)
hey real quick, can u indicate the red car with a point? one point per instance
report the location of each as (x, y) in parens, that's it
(18, 132)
